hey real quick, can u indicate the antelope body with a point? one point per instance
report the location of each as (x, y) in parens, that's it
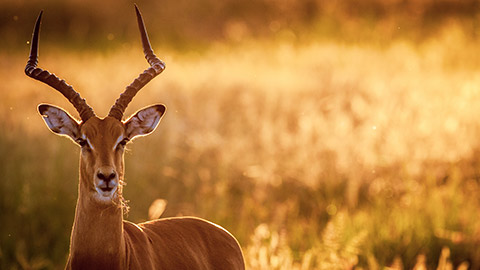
(100, 238)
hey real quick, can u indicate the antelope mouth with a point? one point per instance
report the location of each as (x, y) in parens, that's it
(106, 191)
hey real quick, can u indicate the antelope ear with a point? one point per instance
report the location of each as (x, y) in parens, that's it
(59, 121)
(144, 121)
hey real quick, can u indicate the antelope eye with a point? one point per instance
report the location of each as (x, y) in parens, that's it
(82, 142)
(123, 142)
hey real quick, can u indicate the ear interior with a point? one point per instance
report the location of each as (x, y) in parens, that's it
(144, 121)
(59, 121)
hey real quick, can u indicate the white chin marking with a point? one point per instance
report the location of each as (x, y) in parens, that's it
(106, 196)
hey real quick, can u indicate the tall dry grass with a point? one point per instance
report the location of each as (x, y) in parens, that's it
(315, 155)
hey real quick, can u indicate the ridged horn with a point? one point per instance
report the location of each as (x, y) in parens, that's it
(31, 69)
(156, 67)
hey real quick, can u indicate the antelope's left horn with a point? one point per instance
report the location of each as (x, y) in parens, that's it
(156, 67)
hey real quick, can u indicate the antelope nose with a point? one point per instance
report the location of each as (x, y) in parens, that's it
(106, 180)
(106, 174)
(106, 177)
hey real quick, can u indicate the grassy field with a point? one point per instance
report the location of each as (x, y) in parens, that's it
(315, 155)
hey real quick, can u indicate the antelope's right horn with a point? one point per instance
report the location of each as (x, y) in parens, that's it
(31, 69)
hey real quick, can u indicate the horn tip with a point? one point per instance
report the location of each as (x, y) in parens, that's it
(39, 19)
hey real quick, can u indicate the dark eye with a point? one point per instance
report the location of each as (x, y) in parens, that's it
(122, 143)
(82, 142)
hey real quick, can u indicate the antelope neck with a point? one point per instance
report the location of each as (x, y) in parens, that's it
(97, 234)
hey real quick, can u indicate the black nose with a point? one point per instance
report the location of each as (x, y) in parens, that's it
(106, 176)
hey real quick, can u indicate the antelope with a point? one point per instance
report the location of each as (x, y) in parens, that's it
(100, 237)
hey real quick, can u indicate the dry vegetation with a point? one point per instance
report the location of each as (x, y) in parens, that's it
(316, 155)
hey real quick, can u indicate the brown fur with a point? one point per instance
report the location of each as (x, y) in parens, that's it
(101, 239)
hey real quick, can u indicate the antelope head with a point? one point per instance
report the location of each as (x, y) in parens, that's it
(102, 140)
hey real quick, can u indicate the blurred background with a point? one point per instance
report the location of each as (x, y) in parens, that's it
(322, 134)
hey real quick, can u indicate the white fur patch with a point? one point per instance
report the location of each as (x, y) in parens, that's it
(106, 197)
(119, 139)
